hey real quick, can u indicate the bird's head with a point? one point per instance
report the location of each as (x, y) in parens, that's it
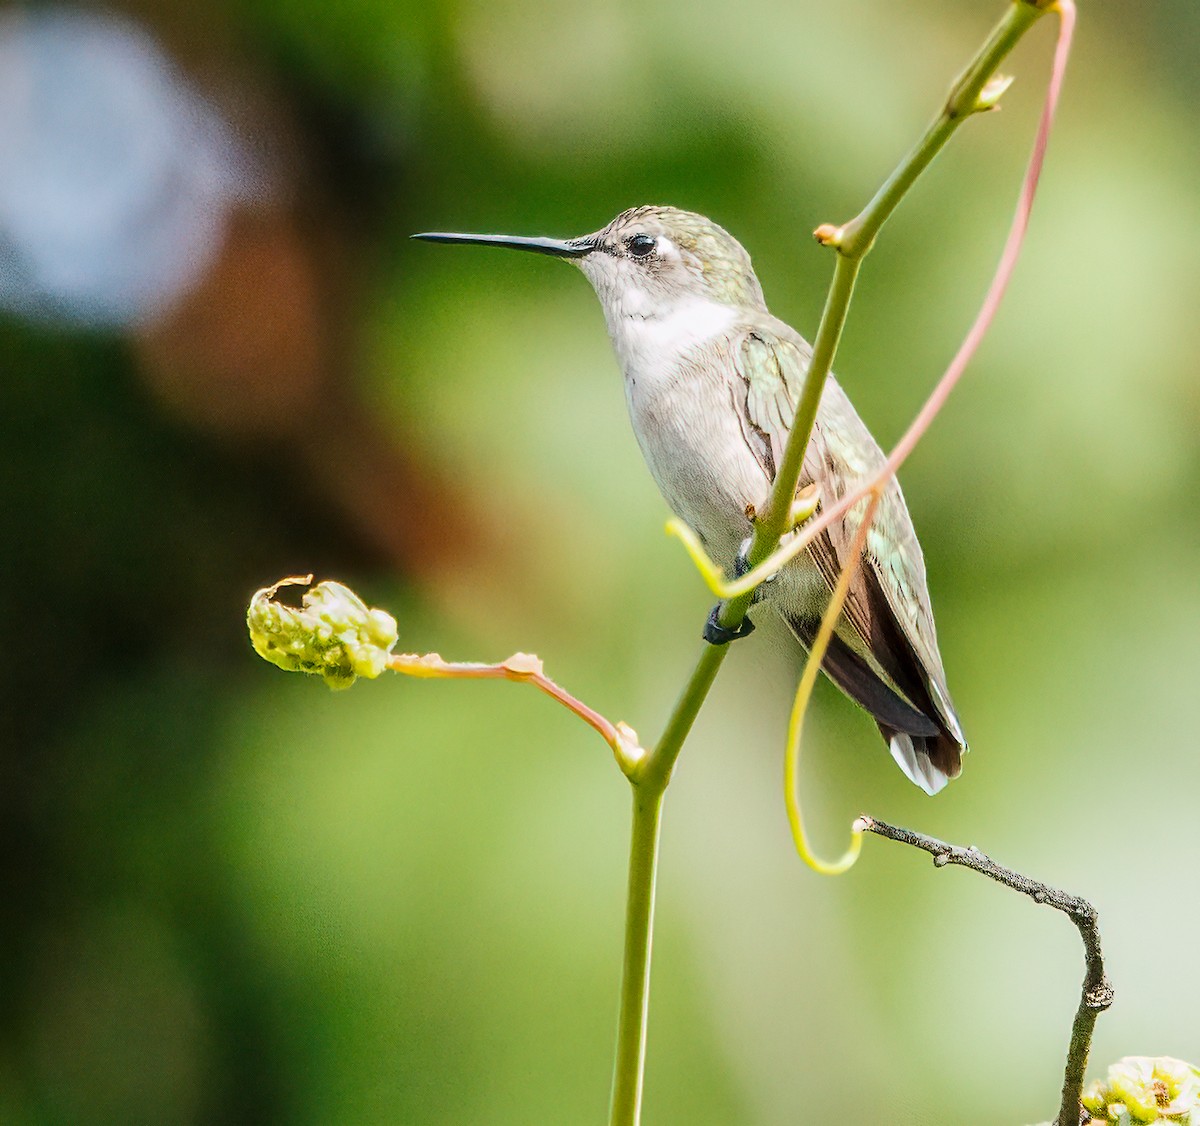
(647, 260)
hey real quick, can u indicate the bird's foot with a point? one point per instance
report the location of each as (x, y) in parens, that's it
(717, 634)
(741, 564)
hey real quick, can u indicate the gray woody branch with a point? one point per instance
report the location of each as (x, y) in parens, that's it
(1097, 994)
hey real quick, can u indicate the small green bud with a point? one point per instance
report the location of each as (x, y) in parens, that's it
(992, 92)
(334, 634)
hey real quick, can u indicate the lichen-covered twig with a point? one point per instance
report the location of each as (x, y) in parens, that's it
(1097, 993)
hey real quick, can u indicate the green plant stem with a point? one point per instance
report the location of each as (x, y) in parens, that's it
(654, 772)
(858, 236)
(650, 778)
(854, 241)
(770, 529)
(635, 984)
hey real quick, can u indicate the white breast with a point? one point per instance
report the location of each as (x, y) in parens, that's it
(679, 384)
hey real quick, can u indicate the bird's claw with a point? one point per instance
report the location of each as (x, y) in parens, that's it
(741, 564)
(717, 634)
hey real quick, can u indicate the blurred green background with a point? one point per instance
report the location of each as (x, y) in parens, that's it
(232, 896)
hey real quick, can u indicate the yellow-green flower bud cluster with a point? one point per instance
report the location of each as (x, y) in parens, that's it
(333, 634)
(1145, 1089)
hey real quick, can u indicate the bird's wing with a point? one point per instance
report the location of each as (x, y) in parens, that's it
(888, 603)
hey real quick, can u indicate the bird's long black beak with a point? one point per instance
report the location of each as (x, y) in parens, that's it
(558, 248)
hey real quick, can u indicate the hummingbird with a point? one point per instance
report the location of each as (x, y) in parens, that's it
(711, 382)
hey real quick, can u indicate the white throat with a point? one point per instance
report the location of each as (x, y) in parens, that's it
(651, 337)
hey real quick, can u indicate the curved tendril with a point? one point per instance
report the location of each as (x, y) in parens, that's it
(791, 760)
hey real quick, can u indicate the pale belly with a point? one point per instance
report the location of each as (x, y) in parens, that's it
(696, 451)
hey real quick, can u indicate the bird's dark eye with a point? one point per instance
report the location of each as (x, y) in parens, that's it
(641, 245)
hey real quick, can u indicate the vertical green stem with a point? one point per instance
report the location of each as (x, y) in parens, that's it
(635, 984)
(858, 235)
(654, 772)
(767, 531)
(649, 778)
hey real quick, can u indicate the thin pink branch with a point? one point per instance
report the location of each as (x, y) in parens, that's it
(524, 668)
(1008, 259)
